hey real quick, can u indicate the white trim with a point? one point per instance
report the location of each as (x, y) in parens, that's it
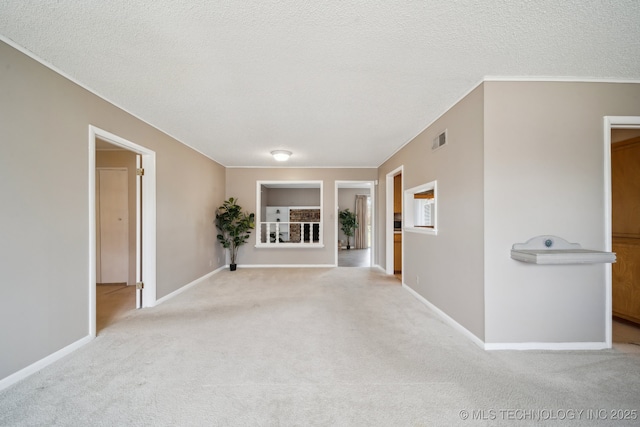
(258, 218)
(408, 210)
(389, 217)
(372, 194)
(138, 232)
(485, 79)
(552, 79)
(92, 233)
(464, 95)
(510, 346)
(429, 231)
(42, 363)
(444, 316)
(55, 69)
(507, 79)
(188, 286)
(289, 245)
(283, 266)
(546, 346)
(148, 222)
(610, 122)
(301, 167)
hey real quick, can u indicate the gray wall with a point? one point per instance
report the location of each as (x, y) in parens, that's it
(44, 169)
(293, 197)
(446, 269)
(241, 183)
(544, 174)
(524, 159)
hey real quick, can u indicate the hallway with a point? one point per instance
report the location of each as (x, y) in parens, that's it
(113, 303)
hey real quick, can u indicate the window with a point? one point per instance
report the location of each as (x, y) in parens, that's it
(421, 209)
(290, 214)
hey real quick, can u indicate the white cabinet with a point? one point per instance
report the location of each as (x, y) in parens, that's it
(278, 214)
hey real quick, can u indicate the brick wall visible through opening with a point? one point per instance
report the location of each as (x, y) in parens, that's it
(301, 215)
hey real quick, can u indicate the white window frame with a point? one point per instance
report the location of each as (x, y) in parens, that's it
(310, 245)
(410, 206)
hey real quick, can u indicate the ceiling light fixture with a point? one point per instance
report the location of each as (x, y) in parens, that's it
(281, 155)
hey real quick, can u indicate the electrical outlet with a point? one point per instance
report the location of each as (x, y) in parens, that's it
(210, 262)
(417, 280)
(218, 260)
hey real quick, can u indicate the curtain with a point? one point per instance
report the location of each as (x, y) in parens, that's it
(361, 241)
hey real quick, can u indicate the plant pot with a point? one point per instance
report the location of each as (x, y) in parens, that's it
(348, 246)
(232, 267)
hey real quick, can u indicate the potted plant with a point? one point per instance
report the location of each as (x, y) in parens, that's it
(349, 224)
(235, 228)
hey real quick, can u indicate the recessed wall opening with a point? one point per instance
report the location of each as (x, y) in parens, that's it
(421, 204)
(289, 215)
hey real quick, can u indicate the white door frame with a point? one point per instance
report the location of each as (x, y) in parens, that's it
(389, 219)
(611, 122)
(148, 220)
(372, 194)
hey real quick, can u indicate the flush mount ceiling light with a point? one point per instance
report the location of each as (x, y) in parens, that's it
(281, 155)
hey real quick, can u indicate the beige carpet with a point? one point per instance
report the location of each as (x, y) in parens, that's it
(326, 347)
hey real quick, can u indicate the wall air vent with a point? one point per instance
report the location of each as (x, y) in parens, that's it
(439, 140)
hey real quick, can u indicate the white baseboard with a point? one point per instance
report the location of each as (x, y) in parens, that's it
(42, 363)
(547, 346)
(285, 265)
(189, 285)
(509, 345)
(457, 326)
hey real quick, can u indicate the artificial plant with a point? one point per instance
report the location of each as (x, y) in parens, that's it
(234, 226)
(348, 223)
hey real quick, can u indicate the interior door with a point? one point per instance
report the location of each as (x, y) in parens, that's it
(113, 227)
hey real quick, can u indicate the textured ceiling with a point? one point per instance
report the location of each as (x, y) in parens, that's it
(339, 83)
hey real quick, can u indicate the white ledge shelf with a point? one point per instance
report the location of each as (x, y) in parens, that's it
(290, 245)
(555, 250)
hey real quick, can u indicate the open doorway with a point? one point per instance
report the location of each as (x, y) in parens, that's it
(625, 238)
(116, 231)
(394, 222)
(359, 198)
(116, 180)
(618, 135)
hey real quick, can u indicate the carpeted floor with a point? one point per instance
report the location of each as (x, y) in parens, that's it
(326, 347)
